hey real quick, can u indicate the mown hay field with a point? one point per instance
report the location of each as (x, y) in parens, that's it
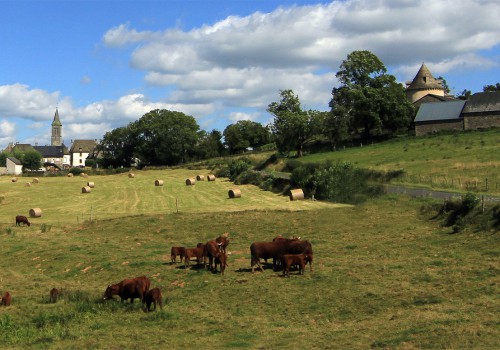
(62, 201)
(385, 276)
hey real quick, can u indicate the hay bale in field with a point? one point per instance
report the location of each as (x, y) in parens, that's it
(35, 212)
(200, 177)
(131, 175)
(211, 177)
(35, 180)
(28, 184)
(84, 175)
(86, 189)
(70, 175)
(190, 181)
(296, 194)
(14, 179)
(90, 184)
(158, 182)
(234, 193)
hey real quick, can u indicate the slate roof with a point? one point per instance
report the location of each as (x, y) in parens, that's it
(425, 80)
(449, 110)
(15, 160)
(86, 146)
(50, 151)
(483, 102)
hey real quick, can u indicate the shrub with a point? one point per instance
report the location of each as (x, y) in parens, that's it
(238, 166)
(76, 171)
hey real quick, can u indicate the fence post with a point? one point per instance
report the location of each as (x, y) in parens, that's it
(482, 204)
(486, 184)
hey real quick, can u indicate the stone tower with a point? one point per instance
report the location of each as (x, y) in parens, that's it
(56, 139)
(424, 84)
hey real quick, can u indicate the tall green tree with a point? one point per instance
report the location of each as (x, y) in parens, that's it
(368, 99)
(292, 127)
(31, 160)
(117, 147)
(243, 134)
(209, 144)
(165, 137)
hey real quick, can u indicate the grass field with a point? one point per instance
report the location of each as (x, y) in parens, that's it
(462, 161)
(385, 276)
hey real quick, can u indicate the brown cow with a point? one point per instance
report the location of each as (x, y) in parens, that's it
(221, 259)
(22, 219)
(54, 294)
(152, 296)
(302, 247)
(210, 251)
(130, 288)
(6, 299)
(177, 251)
(290, 260)
(223, 241)
(194, 253)
(267, 250)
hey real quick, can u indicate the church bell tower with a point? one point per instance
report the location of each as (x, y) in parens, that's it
(56, 139)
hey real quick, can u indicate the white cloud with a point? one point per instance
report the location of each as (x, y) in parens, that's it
(7, 131)
(237, 116)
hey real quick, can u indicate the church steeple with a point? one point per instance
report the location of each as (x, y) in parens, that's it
(56, 139)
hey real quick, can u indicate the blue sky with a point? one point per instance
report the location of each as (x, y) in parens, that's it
(106, 63)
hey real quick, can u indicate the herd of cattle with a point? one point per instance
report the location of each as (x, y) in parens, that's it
(286, 252)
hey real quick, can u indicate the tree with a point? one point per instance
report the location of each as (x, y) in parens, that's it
(165, 137)
(445, 85)
(491, 88)
(292, 127)
(243, 134)
(464, 95)
(117, 147)
(368, 99)
(209, 144)
(31, 160)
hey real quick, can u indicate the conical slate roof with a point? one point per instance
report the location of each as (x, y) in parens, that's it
(424, 80)
(56, 121)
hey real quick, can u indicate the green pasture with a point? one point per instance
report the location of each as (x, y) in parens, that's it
(385, 275)
(461, 161)
(62, 201)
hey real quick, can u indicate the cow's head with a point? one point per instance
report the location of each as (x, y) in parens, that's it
(110, 291)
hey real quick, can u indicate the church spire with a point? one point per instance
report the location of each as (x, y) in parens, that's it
(56, 139)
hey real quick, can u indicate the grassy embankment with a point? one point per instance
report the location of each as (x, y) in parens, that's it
(457, 162)
(384, 277)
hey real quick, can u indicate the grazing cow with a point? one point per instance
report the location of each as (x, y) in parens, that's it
(290, 260)
(221, 259)
(267, 250)
(22, 219)
(6, 299)
(152, 296)
(194, 253)
(223, 241)
(130, 288)
(54, 294)
(177, 251)
(211, 249)
(302, 247)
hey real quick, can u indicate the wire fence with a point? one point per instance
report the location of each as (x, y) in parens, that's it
(474, 184)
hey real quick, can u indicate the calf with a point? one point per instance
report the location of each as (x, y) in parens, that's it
(6, 299)
(22, 219)
(54, 294)
(152, 296)
(302, 247)
(177, 251)
(290, 260)
(194, 253)
(221, 259)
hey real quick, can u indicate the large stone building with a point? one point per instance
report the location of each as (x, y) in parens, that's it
(424, 88)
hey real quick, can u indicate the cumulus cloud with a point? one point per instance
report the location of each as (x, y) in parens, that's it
(7, 131)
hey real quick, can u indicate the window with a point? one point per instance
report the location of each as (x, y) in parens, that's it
(80, 161)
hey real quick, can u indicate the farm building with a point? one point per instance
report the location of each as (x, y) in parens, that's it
(14, 166)
(481, 111)
(80, 150)
(424, 88)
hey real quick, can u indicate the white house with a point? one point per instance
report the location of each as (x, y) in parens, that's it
(80, 150)
(14, 166)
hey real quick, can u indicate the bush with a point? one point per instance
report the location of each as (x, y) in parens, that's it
(238, 166)
(76, 171)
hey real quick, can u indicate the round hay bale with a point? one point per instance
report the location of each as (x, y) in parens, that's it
(86, 189)
(190, 181)
(211, 177)
(131, 175)
(158, 182)
(84, 175)
(234, 193)
(14, 179)
(296, 194)
(90, 184)
(28, 184)
(35, 180)
(200, 177)
(35, 212)
(70, 175)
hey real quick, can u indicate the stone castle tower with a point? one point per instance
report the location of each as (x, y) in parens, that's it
(424, 84)
(56, 139)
